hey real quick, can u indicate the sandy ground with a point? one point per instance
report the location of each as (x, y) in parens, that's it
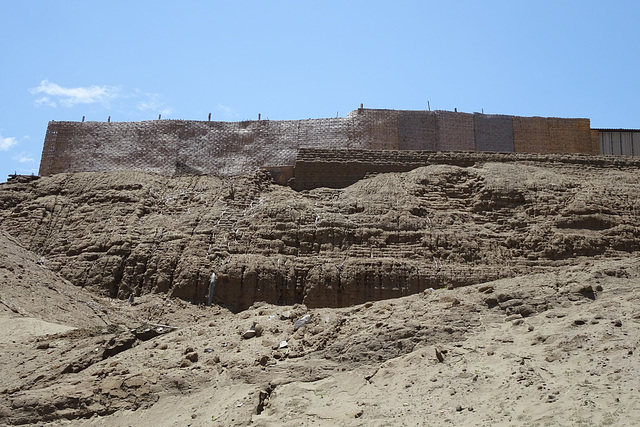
(20, 329)
(555, 349)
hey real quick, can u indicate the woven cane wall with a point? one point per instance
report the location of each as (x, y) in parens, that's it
(233, 148)
(493, 133)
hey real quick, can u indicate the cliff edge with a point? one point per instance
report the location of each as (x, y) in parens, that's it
(388, 235)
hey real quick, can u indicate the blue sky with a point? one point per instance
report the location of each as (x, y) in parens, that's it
(135, 59)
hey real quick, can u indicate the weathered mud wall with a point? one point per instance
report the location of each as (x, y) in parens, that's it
(553, 135)
(340, 168)
(464, 218)
(493, 133)
(164, 146)
(230, 149)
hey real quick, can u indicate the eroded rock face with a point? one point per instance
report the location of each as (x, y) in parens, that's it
(123, 233)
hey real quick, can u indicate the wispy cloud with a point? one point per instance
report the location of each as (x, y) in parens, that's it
(52, 94)
(24, 158)
(152, 102)
(125, 102)
(228, 113)
(7, 142)
(46, 101)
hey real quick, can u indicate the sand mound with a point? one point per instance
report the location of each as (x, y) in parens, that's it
(492, 295)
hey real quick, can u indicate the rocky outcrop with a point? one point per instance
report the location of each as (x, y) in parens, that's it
(388, 235)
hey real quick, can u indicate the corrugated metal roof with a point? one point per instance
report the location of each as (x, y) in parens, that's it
(615, 130)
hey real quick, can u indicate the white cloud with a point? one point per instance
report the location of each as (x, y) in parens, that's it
(152, 102)
(116, 99)
(228, 113)
(23, 157)
(71, 96)
(45, 101)
(7, 143)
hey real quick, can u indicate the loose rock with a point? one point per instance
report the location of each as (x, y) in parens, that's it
(304, 320)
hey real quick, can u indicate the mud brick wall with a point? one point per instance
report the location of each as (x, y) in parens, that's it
(553, 135)
(75, 147)
(595, 141)
(570, 136)
(324, 133)
(234, 148)
(417, 130)
(455, 131)
(493, 133)
(530, 135)
(224, 148)
(340, 168)
(586, 139)
(561, 139)
(374, 129)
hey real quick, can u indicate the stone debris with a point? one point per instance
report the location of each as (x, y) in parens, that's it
(250, 333)
(148, 331)
(258, 329)
(551, 252)
(285, 315)
(303, 321)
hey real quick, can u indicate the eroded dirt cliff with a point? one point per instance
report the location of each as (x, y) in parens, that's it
(389, 235)
(557, 348)
(374, 304)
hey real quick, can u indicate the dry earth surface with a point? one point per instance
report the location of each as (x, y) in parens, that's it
(494, 295)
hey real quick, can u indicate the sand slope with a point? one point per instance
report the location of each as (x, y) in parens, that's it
(405, 324)
(544, 349)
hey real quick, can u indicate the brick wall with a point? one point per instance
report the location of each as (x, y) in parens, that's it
(211, 147)
(233, 148)
(340, 168)
(553, 135)
(493, 133)
(374, 129)
(455, 131)
(530, 134)
(417, 130)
